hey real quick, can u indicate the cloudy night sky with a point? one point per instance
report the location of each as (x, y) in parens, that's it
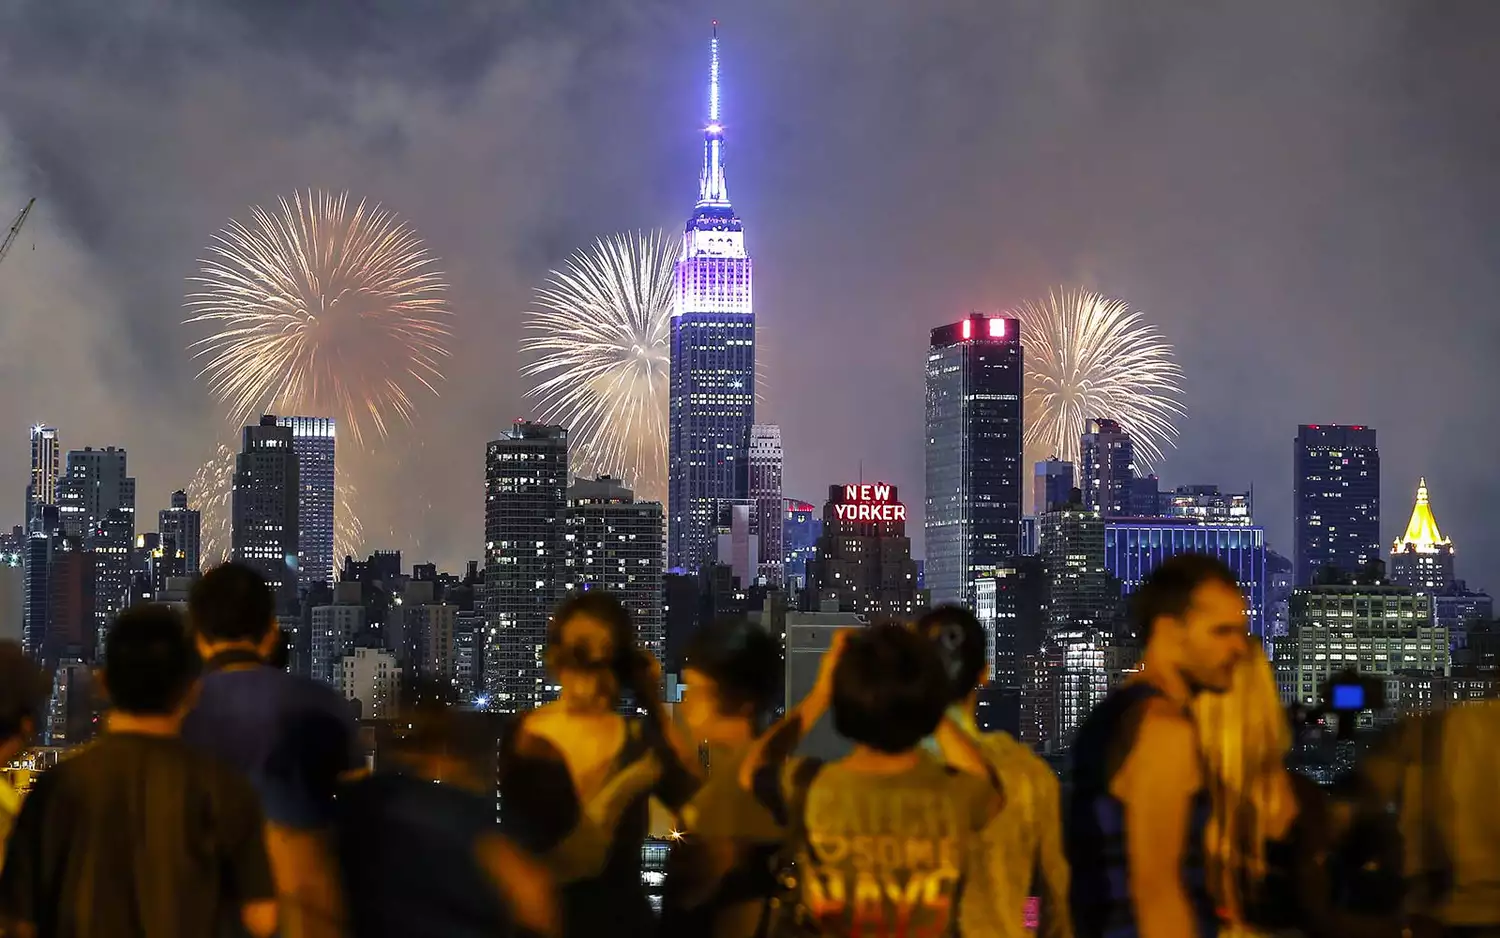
(1302, 196)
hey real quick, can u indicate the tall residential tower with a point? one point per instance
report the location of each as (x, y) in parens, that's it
(525, 499)
(46, 466)
(1336, 499)
(712, 383)
(313, 442)
(765, 492)
(264, 508)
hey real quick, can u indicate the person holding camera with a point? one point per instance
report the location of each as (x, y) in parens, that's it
(720, 875)
(882, 838)
(1023, 844)
(562, 757)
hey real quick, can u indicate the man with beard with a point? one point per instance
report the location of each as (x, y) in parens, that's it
(1139, 803)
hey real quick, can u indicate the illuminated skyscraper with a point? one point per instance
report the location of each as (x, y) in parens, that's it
(46, 466)
(863, 563)
(712, 385)
(1336, 498)
(614, 543)
(1107, 465)
(765, 492)
(182, 526)
(800, 530)
(1422, 559)
(96, 503)
(974, 484)
(313, 442)
(525, 500)
(264, 508)
(1133, 547)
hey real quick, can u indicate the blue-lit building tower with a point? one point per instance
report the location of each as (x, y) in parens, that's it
(1133, 547)
(712, 384)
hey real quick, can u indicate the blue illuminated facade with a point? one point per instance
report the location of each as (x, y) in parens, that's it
(1134, 546)
(800, 530)
(712, 380)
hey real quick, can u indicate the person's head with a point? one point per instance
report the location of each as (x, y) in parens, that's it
(24, 688)
(889, 689)
(1190, 614)
(151, 666)
(1245, 737)
(590, 646)
(962, 647)
(731, 669)
(232, 604)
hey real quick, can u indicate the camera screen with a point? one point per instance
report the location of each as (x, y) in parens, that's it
(1348, 697)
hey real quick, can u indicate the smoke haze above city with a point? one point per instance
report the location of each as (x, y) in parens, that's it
(1301, 197)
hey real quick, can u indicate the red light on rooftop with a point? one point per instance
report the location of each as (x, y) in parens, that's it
(968, 329)
(997, 328)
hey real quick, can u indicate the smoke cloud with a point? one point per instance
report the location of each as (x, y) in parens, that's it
(1300, 197)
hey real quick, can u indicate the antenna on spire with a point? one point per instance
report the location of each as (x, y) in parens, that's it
(713, 76)
(711, 186)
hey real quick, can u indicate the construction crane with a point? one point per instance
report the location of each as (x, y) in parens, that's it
(16, 229)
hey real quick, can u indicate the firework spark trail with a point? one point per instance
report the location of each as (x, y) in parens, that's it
(211, 493)
(321, 309)
(1090, 356)
(601, 334)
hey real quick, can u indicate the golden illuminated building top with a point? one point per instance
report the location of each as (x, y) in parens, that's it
(1422, 534)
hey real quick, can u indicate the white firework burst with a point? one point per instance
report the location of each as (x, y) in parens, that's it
(211, 494)
(600, 334)
(1090, 356)
(321, 307)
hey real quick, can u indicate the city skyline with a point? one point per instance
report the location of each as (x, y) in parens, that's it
(860, 255)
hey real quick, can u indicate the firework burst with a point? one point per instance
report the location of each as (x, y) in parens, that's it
(600, 333)
(320, 307)
(211, 493)
(1090, 356)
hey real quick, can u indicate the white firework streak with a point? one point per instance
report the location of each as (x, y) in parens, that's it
(320, 308)
(1091, 356)
(211, 493)
(601, 334)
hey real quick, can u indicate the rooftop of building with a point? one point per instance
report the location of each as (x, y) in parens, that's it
(1422, 535)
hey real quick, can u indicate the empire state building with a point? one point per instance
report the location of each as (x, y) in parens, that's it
(712, 386)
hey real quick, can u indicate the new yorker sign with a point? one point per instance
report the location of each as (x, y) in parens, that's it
(866, 502)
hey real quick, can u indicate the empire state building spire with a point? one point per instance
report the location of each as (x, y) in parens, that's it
(712, 190)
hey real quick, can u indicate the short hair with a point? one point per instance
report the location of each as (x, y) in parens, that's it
(150, 662)
(598, 604)
(741, 658)
(1168, 590)
(961, 644)
(24, 688)
(232, 603)
(889, 690)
